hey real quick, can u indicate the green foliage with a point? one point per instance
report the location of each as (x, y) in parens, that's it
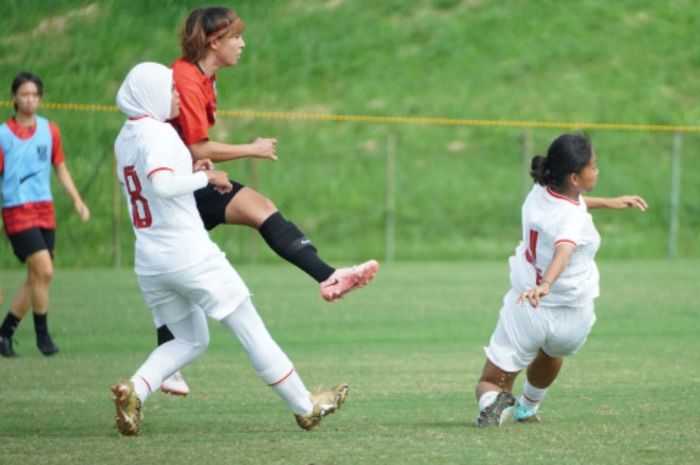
(410, 347)
(458, 189)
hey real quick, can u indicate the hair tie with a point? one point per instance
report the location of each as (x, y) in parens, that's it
(214, 34)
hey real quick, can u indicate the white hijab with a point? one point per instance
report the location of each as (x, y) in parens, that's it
(147, 91)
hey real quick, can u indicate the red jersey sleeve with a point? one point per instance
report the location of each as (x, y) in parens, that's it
(57, 156)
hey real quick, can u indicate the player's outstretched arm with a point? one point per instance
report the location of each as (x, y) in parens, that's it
(167, 184)
(617, 203)
(218, 151)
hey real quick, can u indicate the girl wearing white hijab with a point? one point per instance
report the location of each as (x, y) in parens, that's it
(183, 275)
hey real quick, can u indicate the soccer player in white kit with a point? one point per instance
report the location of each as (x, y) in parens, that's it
(548, 313)
(183, 275)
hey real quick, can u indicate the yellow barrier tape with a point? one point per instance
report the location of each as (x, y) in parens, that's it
(420, 120)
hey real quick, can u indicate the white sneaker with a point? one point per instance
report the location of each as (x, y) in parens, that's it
(175, 385)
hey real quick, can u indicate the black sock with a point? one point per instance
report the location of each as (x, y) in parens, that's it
(164, 335)
(9, 325)
(290, 243)
(40, 325)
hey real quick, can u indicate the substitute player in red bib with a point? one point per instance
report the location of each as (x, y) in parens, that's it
(210, 40)
(29, 146)
(183, 275)
(548, 313)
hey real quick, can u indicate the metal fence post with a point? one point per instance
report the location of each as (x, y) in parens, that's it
(255, 185)
(527, 158)
(675, 195)
(390, 200)
(116, 217)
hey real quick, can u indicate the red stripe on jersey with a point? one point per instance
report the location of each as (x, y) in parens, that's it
(152, 172)
(137, 117)
(565, 241)
(561, 197)
(283, 379)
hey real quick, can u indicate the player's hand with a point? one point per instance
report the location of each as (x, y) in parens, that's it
(629, 201)
(83, 210)
(533, 296)
(202, 165)
(264, 148)
(220, 181)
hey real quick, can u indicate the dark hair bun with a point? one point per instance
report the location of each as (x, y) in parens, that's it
(538, 170)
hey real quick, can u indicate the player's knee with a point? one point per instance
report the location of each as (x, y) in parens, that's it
(267, 207)
(201, 343)
(40, 274)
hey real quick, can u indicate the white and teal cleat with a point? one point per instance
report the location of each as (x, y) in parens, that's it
(524, 414)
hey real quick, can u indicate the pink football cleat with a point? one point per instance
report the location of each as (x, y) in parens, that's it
(344, 280)
(175, 385)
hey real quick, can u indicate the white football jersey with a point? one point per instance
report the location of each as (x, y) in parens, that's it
(547, 220)
(170, 235)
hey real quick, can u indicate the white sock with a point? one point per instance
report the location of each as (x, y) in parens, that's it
(291, 388)
(142, 387)
(191, 339)
(532, 396)
(270, 362)
(486, 399)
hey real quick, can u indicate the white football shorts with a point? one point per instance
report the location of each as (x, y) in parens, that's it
(213, 285)
(522, 330)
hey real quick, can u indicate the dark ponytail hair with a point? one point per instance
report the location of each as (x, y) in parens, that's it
(24, 77)
(205, 25)
(568, 154)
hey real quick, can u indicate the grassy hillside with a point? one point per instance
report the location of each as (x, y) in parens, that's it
(458, 189)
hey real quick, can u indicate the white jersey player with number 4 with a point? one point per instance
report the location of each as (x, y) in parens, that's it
(183, 275)
(550, 219)
(548, 313)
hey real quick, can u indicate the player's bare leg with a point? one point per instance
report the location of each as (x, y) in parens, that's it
(541, 373)
(493, 392)
(39, 274)
(252, 209)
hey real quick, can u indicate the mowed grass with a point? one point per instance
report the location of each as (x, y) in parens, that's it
(410, 348)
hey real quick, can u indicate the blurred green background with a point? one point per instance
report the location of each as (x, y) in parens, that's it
(458, 189)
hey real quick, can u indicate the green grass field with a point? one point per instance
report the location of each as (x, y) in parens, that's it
(410, 348)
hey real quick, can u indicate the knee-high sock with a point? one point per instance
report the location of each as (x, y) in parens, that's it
(41, 325)
(191, 340)
(9, 325)
(271, 364)
(290, 243)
